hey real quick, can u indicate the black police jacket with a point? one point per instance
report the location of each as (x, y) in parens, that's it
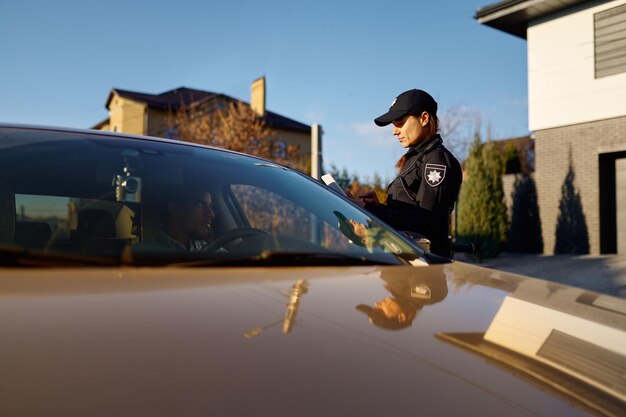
(422, 196)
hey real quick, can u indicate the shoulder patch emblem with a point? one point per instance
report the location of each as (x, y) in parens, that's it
(421, 292)
(434, 174)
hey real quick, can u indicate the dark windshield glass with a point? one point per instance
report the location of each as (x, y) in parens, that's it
(162, 202)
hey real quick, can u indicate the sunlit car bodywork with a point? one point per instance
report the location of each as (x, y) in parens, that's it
(295, 314)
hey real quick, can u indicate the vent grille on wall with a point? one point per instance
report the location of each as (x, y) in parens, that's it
(610, 41)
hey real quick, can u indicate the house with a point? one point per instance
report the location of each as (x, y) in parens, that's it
(525, 147)
(577, 111)
(151, 114)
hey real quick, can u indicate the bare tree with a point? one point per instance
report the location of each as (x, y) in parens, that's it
(235, 126)
(194, 123)
(241, 129)
(458, 125)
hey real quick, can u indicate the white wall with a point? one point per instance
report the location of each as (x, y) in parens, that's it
(562, 89)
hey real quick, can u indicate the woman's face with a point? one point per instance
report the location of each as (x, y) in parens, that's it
(411, 130)
(390, 309)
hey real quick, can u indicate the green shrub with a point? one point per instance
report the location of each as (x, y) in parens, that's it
(482, 218)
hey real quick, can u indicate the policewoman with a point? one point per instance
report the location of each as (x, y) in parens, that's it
(410, 293)
(422, 196)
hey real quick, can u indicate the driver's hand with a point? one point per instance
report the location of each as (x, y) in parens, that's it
(359, 228)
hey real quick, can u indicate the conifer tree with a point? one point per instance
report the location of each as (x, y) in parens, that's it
(482, 218)
(342, 178)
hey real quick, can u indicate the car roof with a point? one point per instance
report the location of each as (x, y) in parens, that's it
(118, 135)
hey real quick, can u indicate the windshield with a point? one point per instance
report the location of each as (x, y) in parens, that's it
(140, 201)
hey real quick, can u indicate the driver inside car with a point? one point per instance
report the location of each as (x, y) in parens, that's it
(187, 219)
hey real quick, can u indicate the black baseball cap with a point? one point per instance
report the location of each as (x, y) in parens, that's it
(410, 102)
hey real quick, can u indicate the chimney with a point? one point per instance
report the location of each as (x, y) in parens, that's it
(257, 96)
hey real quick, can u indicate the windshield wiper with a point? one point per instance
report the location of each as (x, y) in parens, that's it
(19, 256)
(13, 255)
(286, 258)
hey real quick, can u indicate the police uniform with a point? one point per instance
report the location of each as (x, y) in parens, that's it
(422, 196)
(412, 292)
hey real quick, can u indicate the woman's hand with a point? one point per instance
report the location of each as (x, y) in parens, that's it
(369, 197)
(358, 201)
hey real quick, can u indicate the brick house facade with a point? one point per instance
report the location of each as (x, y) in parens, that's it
(592, 146)
(577, 111)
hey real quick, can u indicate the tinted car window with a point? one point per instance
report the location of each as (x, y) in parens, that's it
(270, 212)
(130, 198)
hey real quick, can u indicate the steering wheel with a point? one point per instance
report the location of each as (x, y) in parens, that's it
(231, 235)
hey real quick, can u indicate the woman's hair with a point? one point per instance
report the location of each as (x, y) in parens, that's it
(432, 127)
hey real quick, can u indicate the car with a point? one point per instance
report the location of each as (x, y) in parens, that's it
(151, 277)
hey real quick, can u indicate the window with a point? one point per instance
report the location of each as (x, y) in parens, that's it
(279, 216)
(56, 222)
(171, 133)
(280, 149)
(610, 41)
(51, 214)
(272, 213)
(84, 198)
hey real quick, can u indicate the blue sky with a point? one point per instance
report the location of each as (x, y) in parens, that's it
(337, 63)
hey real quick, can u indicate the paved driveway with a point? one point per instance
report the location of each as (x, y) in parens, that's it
(604, 274)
